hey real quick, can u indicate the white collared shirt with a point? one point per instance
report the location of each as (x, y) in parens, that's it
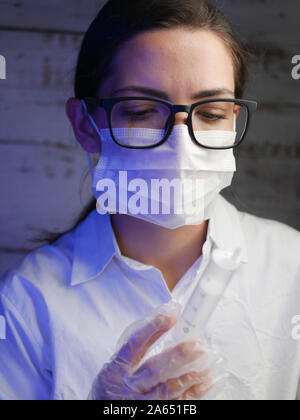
(66, 305)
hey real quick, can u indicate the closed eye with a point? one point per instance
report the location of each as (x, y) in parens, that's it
(211, 117)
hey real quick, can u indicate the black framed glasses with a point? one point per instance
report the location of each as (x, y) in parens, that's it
(127, 117)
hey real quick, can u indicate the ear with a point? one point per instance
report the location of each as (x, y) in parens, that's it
(84, 131)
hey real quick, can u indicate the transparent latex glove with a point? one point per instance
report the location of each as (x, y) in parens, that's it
(183, 372)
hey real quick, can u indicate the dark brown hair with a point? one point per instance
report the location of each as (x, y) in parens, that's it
(120, 20)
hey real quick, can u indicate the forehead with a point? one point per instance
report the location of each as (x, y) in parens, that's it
(178, 61)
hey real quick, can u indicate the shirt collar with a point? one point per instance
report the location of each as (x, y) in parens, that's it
(95, 243)
(225, 228)
(94, 247)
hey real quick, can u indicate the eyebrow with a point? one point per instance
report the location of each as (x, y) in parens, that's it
(162, 95)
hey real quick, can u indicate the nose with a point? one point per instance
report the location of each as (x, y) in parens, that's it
(181, 118)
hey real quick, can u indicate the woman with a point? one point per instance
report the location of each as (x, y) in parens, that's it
(66, 304)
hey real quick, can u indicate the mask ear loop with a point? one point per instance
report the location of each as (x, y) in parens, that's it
(234, 122)
(96, 128)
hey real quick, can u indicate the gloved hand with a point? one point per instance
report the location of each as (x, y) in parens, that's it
(159, 377)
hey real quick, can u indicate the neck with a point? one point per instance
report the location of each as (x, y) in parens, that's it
(172, 251)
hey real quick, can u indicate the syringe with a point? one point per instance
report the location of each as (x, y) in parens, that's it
(207, 295)
(202, 302)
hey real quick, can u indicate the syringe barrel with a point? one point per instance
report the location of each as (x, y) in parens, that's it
(206, 297)
(185, 330)
(203, 301)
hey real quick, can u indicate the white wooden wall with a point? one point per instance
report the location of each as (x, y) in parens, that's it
(41, 166)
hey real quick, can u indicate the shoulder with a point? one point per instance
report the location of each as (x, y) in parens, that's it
(262, 230)
(273, 247)
(47, 273)
(32, 287)
(268, 242)
(43, 269)
(270, 233)
(271, 273)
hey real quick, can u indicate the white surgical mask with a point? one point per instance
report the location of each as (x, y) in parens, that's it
(127, 180)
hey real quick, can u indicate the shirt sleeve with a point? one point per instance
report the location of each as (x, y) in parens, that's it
(23, 368)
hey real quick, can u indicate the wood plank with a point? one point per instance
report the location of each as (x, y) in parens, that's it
(41, 192)
(272, 134)
(54, 15)
(268, 23)
(270, 81)
(29, 117)
(40, 72)
(37, 61)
